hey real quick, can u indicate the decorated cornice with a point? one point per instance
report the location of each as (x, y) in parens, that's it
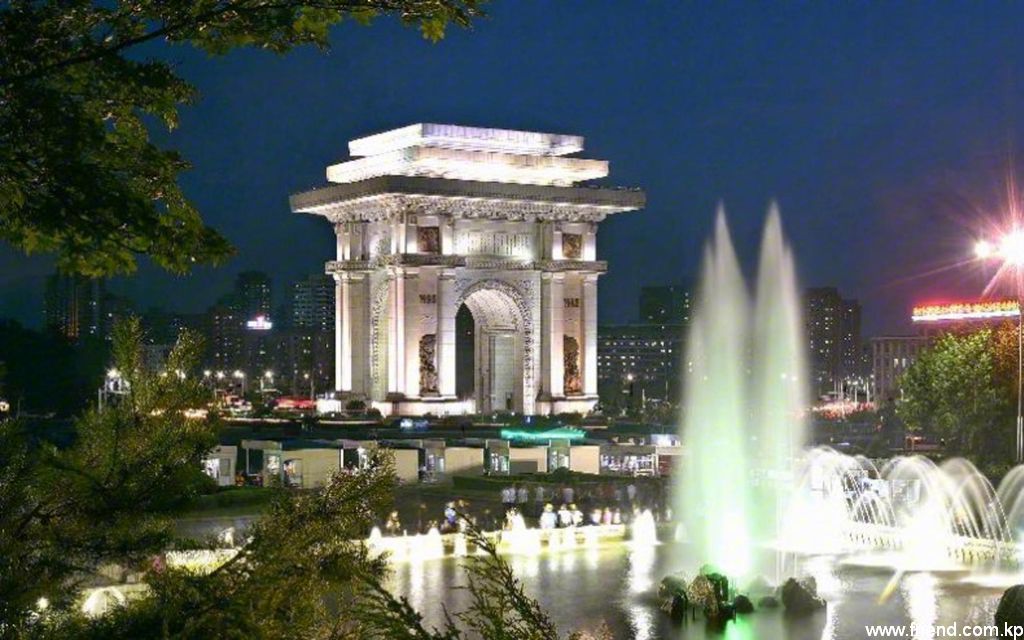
(387, 197)
(468, 262)
(593, 266)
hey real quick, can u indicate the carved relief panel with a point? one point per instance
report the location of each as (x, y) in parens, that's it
(428, 364)
(428, 240)
(572, 246)
(573, 382)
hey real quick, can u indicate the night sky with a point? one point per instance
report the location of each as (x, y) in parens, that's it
(885, 130)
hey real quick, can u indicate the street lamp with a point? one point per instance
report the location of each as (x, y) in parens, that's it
(240, 375)
(1010, 249)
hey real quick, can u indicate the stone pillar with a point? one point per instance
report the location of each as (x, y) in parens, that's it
(413, 333)
(358, 310)
(446, 310)
(551, 332)
(589, 334)
(342, 336)
(396, 339)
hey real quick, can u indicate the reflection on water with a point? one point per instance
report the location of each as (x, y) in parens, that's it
(922, 606)
(617, 584)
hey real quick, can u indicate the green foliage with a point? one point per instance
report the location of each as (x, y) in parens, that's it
(79, 174)
(108, 497)
(292, 578)
(961, 391)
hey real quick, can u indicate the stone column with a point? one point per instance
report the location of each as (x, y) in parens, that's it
(590, 334)
(446, 310)
(551, 332)
(358, 305)
(396, 339)
(413, 333)
(342, 333)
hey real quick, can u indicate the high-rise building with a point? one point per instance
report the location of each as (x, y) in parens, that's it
(833, 337)
(163, 327)
(639, 360)
(225, 334)
(253, 293)
(850, 341)
(312, 304)
(668, 304)
(73, 305)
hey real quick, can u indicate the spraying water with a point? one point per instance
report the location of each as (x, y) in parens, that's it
(713, 499)
(741, 423)
(778, 381)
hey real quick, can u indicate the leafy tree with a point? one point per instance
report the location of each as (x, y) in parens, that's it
(109, 496)
(958, 391)
(79, 174)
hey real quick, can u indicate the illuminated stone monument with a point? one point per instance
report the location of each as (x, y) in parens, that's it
(431, 217)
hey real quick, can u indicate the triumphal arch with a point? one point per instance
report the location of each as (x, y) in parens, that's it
(436, 222)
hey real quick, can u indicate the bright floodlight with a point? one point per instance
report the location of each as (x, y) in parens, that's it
(1011, 247)
(113, 373)
(983, 249)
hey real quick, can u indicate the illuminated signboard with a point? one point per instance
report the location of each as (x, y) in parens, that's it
(259, 323)
(966, 311)
(560, 433)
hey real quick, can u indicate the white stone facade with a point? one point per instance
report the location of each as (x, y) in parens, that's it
(437, 216)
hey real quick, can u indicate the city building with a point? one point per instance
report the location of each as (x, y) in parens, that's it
(890, 357)
(163, 327)
(253, 295)
(851, 362)
(667, 304)
(834, 339)
(639, 362)
(312, 304)
(73, 306)
(225, 339)
(936, 319)
(304, 361)
(432, 217)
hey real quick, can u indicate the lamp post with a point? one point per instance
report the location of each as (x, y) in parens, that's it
(240, 375)
(1010, 250)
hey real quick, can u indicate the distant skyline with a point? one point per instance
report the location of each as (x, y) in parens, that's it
(884, 131)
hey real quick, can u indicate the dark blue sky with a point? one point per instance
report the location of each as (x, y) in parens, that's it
(881, 128)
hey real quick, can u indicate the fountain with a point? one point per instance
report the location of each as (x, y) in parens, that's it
(644, 531)
(431, 546)
(741, 423)
(461, 549)
(522, 540)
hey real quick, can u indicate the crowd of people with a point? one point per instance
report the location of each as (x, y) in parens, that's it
(600, 504)
(544, 505)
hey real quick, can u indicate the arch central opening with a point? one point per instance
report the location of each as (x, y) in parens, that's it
(489, 352)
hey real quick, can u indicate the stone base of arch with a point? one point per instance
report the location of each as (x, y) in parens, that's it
(441, 406)
(456, 407)
(574, 404)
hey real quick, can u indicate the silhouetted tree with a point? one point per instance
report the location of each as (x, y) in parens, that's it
(79, 174)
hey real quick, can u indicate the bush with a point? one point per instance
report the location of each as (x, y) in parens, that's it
(234, 497)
